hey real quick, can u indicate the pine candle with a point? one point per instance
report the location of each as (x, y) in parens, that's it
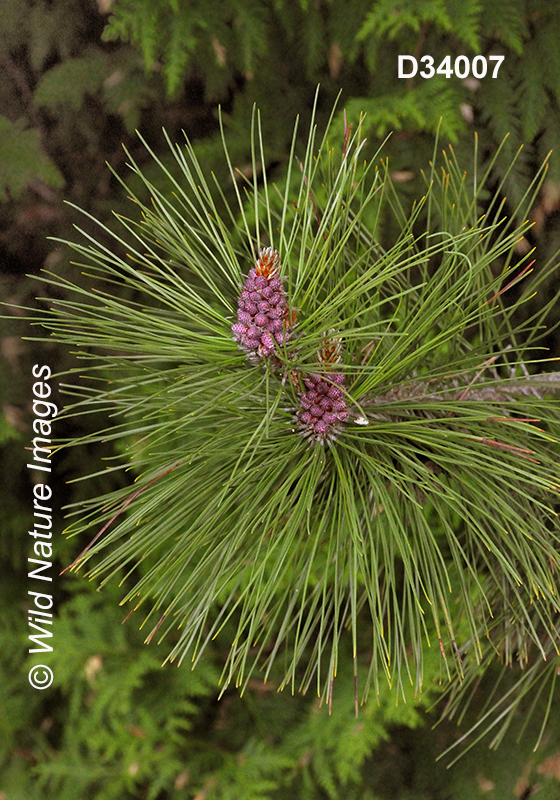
(262, 316)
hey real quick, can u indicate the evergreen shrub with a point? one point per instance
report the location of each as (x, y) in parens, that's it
(422, 515)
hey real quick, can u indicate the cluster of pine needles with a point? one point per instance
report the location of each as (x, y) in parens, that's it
(428, 521)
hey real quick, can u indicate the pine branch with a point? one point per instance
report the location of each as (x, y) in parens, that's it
(503, 391)
(346, 450)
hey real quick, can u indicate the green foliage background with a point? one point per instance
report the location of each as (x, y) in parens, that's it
(76, 79)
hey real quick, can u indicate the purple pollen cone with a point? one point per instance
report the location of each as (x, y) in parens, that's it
(262, 308)
(322, 408)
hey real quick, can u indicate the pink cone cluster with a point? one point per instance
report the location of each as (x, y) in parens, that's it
(262, 315)
(323, 407)
(263, 323)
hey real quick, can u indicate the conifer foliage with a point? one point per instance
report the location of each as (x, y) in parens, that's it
(417, 509)
(355, 44)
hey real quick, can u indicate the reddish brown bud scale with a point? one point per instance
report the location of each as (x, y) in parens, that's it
(331, 351)
(268, 263)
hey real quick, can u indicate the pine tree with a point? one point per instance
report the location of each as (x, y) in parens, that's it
(386, 462)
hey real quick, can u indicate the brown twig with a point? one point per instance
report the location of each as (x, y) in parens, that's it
(506, 391)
